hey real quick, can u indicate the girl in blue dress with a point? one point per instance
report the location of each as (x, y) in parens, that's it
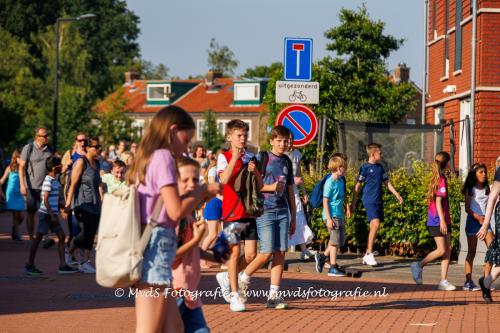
(14, 199)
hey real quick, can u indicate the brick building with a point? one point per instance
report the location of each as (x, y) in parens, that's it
(450, 66)
(226, 98)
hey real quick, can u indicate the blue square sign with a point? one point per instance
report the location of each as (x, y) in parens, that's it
(298, 59)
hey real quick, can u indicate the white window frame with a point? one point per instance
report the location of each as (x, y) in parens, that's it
(224, 122)
(255, 86)
(200, 125)
(166, 91)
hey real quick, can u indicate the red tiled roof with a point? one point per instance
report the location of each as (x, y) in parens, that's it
(197, 99)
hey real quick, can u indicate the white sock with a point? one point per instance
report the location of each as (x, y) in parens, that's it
(233, 294)
(245, 278)
(488, 280)
(273, 291)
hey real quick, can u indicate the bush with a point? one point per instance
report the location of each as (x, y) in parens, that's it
(404, 230)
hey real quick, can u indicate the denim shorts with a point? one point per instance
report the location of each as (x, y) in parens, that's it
(193, 319)
(272, 229)
(472, 226)
(44, 224)
(159, 256)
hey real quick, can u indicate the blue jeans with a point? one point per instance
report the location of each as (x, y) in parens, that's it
(272, 229)
(193, 319)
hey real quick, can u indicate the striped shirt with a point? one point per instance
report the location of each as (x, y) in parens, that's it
(50, 185)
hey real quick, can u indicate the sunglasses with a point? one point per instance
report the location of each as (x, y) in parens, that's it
(42, 136)
(81, 140)
(95, 146)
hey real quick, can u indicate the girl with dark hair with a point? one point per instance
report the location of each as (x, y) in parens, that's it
(476, 191)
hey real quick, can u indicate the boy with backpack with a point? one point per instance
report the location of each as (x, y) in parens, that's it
(372, 175)
(334, 200)
(48, 218)
(229, 166)
(275, 226)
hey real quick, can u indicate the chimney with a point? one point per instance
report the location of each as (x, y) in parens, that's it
(130, 77)
(212, 76)
(402, 73)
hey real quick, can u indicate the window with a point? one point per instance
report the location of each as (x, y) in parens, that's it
(222, 123)
(247, 92)
(158, 92)
(458, 36)
(200, 127)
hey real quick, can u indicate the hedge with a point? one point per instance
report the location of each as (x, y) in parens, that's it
(404, 230)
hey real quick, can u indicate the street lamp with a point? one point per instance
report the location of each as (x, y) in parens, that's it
(56, 82)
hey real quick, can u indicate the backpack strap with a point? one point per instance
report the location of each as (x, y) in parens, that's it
(152, 222)
(29, 164)
(264, 160)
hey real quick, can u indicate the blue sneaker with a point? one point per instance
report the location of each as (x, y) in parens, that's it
(320, 261)
(336, 271)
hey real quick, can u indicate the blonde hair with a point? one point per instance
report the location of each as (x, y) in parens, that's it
(14, 166)
(335, 163)
(440, 162)
(371, 148)
(158, 136)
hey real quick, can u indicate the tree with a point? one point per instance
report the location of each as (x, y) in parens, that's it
(354, 85)
(211, 137)
(149, 71)
(262, 71)
(114, 124)
(221, 58)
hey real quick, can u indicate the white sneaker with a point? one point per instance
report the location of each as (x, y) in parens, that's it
(445, 285)
(369, 259)
(236, 304)
(416, 272)
(223, 281)
(242, 288)
(86, 267)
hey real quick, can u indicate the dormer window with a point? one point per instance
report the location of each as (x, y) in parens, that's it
(159, 93)
(247, 93)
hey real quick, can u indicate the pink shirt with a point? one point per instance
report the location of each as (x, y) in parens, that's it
(187, 274)
(432, 213)
(160, 172)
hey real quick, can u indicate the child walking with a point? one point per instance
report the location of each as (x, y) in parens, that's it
(493, 253)
(373, 176)
(229, 164)
(334, 201)
(438, 222)
(186, 267)
(167, 138)
(48, 219)
(13, 197)
(476, 191)
(277, 223)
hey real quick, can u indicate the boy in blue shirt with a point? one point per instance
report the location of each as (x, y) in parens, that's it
(334, 200)
(277, 223)
(372, 175)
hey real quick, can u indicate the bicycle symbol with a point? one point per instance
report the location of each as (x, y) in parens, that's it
(297, 96)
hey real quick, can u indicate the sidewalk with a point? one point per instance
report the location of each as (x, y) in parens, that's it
(58, 303)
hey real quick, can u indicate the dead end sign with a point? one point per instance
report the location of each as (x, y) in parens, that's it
(301, 120)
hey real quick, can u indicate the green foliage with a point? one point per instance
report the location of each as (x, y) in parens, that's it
(404, 230)
(114, 124)
(221, 58)
(262, 71)
(211, 137)
(149, 71)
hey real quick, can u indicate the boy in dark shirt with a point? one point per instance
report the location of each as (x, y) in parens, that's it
(372, 175)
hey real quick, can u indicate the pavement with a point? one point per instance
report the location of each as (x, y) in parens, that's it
(383, 299)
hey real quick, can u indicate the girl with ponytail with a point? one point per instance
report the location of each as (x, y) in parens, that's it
(438, 222)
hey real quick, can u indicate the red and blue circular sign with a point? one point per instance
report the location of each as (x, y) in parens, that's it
(301, 121)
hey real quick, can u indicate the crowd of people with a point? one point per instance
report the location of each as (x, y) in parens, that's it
(199, 194)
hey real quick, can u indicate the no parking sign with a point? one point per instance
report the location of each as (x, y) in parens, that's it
(301, 121)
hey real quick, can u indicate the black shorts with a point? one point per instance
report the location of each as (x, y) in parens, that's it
(250, 232)
(436, 231)
(33, 200)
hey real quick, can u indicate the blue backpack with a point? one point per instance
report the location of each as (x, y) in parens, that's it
(316, 196)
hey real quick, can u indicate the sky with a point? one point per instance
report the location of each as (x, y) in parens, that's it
(177, 33)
